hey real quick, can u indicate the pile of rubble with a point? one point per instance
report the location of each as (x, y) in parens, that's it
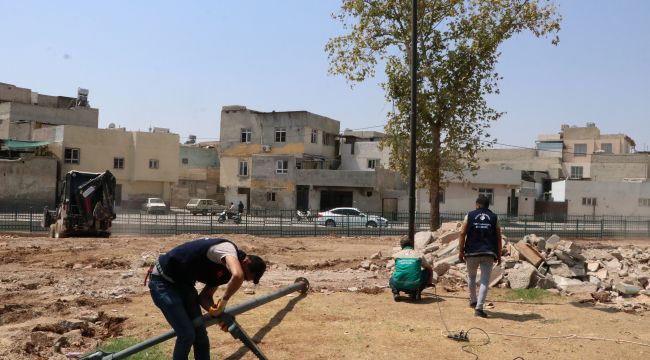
(610, 275)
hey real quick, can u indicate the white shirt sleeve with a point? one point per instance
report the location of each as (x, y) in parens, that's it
(216, 253)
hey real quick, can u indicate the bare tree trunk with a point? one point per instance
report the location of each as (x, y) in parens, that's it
(434, 184)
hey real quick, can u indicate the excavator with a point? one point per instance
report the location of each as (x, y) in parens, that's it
(84, 206)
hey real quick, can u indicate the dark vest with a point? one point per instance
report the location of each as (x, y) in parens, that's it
(188, 263)
(481, 233)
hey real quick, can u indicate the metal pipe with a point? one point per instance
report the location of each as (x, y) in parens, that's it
(301, 284)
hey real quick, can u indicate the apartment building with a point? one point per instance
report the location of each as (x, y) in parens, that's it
(145, 164)
(198, 175)
(264, 156)
(23, 111)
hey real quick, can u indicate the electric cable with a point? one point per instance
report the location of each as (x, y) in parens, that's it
(466, 348)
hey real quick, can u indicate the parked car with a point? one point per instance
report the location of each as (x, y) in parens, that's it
(203, 206)
(154, 206)
(344, 216)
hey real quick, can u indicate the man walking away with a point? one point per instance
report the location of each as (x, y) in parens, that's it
(480, 246)
(412, 273)
(240, 207)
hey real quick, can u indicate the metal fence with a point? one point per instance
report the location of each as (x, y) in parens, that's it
(286, 223)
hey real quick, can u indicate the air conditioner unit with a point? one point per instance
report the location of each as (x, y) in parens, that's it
(266, 148)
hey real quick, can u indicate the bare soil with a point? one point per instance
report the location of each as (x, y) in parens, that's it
(69, 295)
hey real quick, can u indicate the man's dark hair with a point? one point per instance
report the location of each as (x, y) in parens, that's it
(483, 201)
(405, 241)
(256, 266)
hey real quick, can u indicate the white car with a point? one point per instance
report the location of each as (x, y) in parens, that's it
(345, 216)
(154, 206)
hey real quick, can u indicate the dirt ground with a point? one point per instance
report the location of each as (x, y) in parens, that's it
(68, 295)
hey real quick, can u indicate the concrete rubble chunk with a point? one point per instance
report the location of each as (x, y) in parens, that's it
(564, 257)
(450, 226)
(365, 264)
(422, 239)
(593, 266)
(376, 256)
(448, 237)
(551, 242)
(626, 289)
(431, 248)
(441, 268)
(616, 254)
(573, 285)
(453, 246)
(614, 265)
(496, 275)
(453, 259)
(541, 245)
(520, 278)
(546, 282)
(561, 269)
(529, 253)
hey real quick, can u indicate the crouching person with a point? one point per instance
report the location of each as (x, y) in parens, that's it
(413, 273)
(212, 262)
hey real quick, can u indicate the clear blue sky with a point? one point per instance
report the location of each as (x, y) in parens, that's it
(175, 64)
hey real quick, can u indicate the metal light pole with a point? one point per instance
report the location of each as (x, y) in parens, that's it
(412, 172)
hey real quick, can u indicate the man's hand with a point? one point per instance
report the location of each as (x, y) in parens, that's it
(218, 308)
(461, 256)
(223, 326)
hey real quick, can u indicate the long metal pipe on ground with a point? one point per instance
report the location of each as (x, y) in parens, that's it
(301, 284)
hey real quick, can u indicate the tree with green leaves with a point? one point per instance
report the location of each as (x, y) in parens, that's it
(457, 49)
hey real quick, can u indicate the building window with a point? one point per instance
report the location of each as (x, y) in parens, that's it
(243, 168)
(270, 196)
(372, 163)
(185, 161)
(298, 164)
(314, 136)
(328, 139)
(606, 148)
(71, 156)
(576, 172)
(118, 163)
(153, 164)
(488, 193)
(441, 197)
(282, 167)
(580, 150)
(644, 202)
(589, 201)
(280, 135)
(246, 135)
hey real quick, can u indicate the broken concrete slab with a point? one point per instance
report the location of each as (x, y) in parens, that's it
(421, 239)
(564, 257)
(519, 278)
(546, 282)
(561, 269)
(496, 275)
(614, 265)
(551, 242)
(601, 274)
(593, 266)
(453, 259)
(448, 237)
(529, 253)
(431, 248)
(573, 285)
(626, 289)
(453, 246)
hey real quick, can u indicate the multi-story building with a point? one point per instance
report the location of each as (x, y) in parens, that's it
(581, 143)
(198, 174)
(264, 156)
(22, 111)
(145, 164)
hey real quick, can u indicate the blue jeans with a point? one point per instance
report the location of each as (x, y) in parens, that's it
(425, 279)
(180, 305)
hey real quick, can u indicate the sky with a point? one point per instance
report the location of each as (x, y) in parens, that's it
(174, 64)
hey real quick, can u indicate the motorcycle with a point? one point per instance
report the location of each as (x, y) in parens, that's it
(225, 215)
(304, 215)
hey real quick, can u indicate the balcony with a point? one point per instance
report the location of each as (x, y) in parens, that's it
(342, 178)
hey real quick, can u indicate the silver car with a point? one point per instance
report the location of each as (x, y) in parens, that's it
(345, 216)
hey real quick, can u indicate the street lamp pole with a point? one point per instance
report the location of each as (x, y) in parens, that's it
(412, 172)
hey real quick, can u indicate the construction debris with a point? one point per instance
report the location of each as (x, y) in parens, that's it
(613, 276)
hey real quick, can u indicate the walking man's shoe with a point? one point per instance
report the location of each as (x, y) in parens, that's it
(480, 313)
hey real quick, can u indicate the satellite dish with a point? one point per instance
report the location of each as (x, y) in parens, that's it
(111, 126)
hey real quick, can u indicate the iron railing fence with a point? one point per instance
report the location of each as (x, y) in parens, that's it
(267, 222)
